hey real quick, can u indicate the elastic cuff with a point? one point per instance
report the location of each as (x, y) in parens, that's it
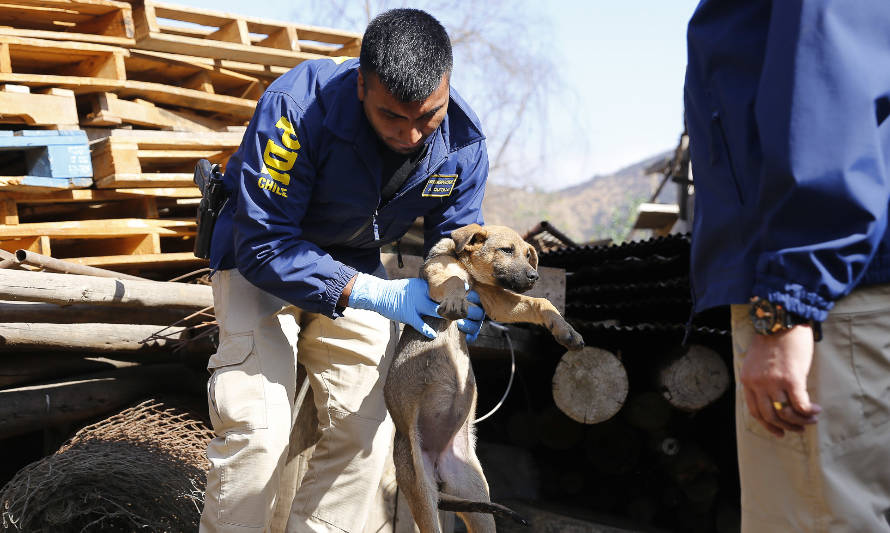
(796, 299)
(334, 289)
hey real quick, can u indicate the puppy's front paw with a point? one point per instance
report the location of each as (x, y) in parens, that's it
(566, 335)
(453, 307)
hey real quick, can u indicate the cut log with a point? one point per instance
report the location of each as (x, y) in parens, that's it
(18, 337)
(67, 289)
(84, 313)
(16, 369)
(695, 379)
(590, 385)
(31, 408)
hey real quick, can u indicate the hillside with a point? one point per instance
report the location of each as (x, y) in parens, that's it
(602, 207)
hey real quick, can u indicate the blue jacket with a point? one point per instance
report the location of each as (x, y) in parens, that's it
(305, 213)
(787, 104)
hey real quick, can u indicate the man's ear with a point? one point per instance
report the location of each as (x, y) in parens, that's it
(468, 236)
(360, 87)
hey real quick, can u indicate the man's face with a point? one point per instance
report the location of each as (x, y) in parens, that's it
(402, 126)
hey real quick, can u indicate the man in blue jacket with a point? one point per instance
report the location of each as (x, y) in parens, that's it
(341, 156)
(787, 105)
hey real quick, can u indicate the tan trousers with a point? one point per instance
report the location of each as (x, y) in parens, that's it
(835, 477)
(251, 397)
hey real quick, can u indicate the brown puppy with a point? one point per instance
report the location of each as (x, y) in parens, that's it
(431, 391)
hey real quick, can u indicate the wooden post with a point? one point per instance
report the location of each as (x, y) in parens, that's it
(590, 385)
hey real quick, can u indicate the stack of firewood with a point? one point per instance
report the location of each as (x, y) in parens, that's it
(93, 342)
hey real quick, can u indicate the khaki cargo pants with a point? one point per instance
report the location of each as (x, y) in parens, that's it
(834, 477)
(251, 398)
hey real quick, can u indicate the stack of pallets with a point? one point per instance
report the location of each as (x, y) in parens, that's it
(105, 106)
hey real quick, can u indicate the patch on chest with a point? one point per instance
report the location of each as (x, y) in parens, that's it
(439, 185)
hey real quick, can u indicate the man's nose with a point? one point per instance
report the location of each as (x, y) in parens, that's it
(413, 136)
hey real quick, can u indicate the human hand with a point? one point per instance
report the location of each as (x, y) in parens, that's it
(402, 300)
(472, 324)
(774, 379)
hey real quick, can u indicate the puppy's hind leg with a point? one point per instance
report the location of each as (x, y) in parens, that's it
(463, 480)
(415, 479)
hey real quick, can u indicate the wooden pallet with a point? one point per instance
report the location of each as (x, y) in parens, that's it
(133, 158)
(86, 238)
(88, 68)
(231, 37)
(53, 108)
(98, 21)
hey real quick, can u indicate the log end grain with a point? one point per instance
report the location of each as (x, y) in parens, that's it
(590, 385)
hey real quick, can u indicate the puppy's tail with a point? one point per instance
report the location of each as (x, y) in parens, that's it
(448, 502)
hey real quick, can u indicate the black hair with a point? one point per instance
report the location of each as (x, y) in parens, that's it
(409, 51)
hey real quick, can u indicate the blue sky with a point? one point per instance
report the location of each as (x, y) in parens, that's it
(622, 65)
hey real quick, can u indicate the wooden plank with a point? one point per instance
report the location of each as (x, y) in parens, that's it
(153, 181)
(223, 50)
(109, 110)
(86, 229)
(34, 184)
(57, 108)
(265, 72)
(238, 108)
(160, 140)
(144, 261)
(97, 195)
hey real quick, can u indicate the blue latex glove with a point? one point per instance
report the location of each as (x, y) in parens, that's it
(402, 300)
(475, 315)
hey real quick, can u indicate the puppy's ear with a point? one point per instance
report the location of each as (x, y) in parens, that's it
(468, 236)
(533, 257)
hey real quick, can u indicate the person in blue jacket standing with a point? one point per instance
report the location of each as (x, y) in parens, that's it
(340, 157)
(787, 106)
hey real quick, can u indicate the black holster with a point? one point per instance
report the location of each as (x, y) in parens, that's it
(213, 199)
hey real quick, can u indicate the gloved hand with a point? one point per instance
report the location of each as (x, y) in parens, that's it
(475, 315)
(402, 300)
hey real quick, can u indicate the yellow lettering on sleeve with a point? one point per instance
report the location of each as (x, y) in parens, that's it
(289, 137)
(278, 158)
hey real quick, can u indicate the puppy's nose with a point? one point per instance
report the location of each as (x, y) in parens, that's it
(532, 275)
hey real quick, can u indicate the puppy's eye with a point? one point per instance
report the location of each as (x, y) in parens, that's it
(508, 249)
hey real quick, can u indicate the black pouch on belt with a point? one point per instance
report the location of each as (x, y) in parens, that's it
(213, 199)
